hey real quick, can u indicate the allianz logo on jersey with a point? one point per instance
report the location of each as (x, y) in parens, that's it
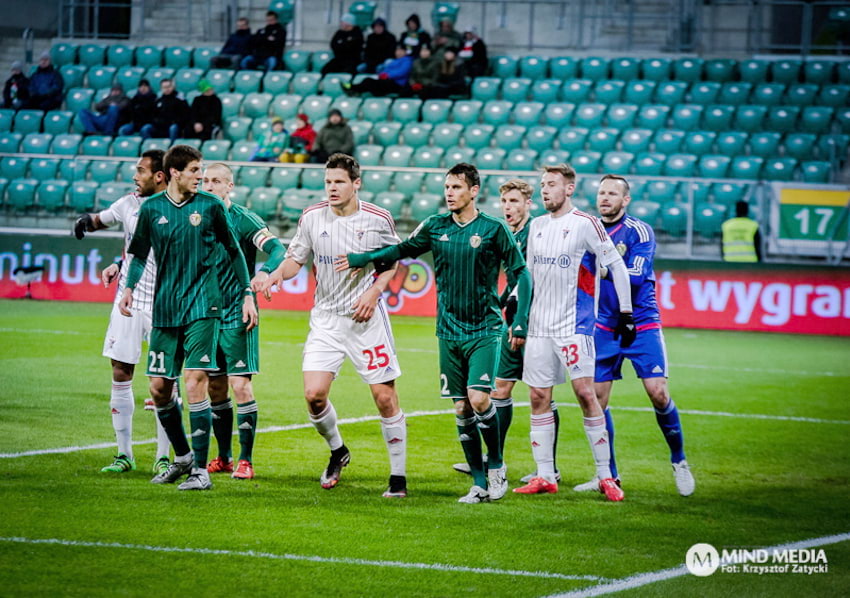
(562, 260)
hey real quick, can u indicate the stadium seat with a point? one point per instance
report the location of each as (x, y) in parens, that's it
(408, 182)
(386, 133)
(160, 143)
(785, 71)
(286, 106)
(746, 167)
(635, 140)
(101, 76)
(256, 105)
(486, 88)
(350, 107)
(670, 93)
(621, 116)
(425, 205)
(603, 139)
(446, 134)
(527, 114)
(436, 112)
(834, 95)
(516, 89)
(490, 158)
(545, 90)
(572, 139)
(10, 142)
(768, 94)
(533, 67)
(492, 206)
(428, 157)
(73, 169)
(732, 143)
(504, 66)
(496, 112)
(554, 157)
(590, 115)
(509, 137)
(254, 176)
(704, 92)
(66, 144)
(50, 194)
(44, 168)
(713, 166)
(818, 72)
(331, 84)
(285, 178)
(306, 84)
(264, 201)
(91, 54)
(585, 162)
(314, 178)
(649, 164)
(728, 194)
(563, 68)
(466, 112)
(241, 151)
(377, 181)
(656, 69)
(699, 142)
(216, 149)
(765, 144)
(434, 182)
(220, 79)
(594, 68)
(96, 145)
(81, 196)
(391, 201)
(801, 94)
(156, 74)
(201, 57)
(652, 116)
(687, 69)
(376, 109)
(585, 195)
(277, 82)
(617, 162)
(21, 194)
(800, 145)
(239, 195)
(127, 170)
(559, 115)
(645, 210)
(734, 93)
(707, 220)
(129, 77)
(609, 91)
(576, 91)
(296, 61)
(315, 107)
(816, 119)
(843, 69)
(63, 53)
(842, 119)
(674, 219)
(417, 134)
(73, 75)
(718, 117)
(782, 118)
(491, 185)
(368, 154)
(520, 159)
(668, 141)
(36, 143)
(186, 80)
(686, 116)
(362, 131)
(753, 70)
(779, 169)
(540, 138)
(750, 118)
(7, 117)
(815, 171)
(720, 69)
(13, 167)
(625, 68)
(178, 57)
(680, 165)
(833, 147)
(149, 56)
(103, 171)
(28, 121)
(109, 193)
(639, 92)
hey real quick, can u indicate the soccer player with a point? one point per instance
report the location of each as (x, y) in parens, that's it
(635, 241)
(185, 228)
(468, 248)
(349, 318)
(123, 342)
(238, 349)
(561, 248)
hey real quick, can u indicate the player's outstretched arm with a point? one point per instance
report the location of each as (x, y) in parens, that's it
(288, 269)
(249, 312)
(126, 303)
(625, 330)
(364, 307)
(110, 273)
(519, 328)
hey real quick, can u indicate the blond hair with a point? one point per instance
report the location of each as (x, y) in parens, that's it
(565, 170)
(517, 185)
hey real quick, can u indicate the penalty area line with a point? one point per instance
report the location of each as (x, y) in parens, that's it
(307, 558)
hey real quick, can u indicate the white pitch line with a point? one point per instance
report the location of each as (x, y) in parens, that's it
(643, 579)
(309, 558)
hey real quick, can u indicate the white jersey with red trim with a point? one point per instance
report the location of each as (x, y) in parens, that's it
(563, 272)
(126, 211)
(324, 236)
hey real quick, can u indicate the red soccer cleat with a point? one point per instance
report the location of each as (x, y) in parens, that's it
(244, 470)
(538, 486)
(611, 490)
(218, 465)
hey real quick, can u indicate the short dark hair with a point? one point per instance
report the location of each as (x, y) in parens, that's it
(156, 156)
(619, 179)
(179, 157)
(346, 162)
(468, 172)
(271, 13)
(742, 209)
(565, 170)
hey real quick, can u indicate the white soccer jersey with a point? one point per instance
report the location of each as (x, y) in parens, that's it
(563, 272)
(126, 211)
(324, 235)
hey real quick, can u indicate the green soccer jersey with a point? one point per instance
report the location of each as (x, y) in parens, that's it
(467, 258)
(252, 234)
(185, 239)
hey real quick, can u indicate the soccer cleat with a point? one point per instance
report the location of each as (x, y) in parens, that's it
(591, 486)
(339, 459)
(497, 482)
(462, 468)
(244, 470)
(538, 485)
(199, 479)
(174, 472)
(611, 489)
(397, 487)
(476, 495)
(161, 465)
(684, 479)
(121, 464)
(219, 465)
(529, 477)
(150, 405)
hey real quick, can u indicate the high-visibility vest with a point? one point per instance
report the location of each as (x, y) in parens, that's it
(739, 240)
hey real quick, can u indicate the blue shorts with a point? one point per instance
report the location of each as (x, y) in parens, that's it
(647, 354)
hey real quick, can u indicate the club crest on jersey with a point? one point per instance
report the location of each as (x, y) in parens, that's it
(195, 219)
(360, 234)
(566, 231)
(475, 241)
(621, 248)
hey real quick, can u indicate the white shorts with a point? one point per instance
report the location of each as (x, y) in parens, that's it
(124, 336)
(369, 345)
(547, 358)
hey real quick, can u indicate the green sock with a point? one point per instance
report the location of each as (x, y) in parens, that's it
(246, 421)
(172, 422)
(200, 420)
(222, 425)
(557, 427)
(505, 409)
(470, 441)
(488, 423)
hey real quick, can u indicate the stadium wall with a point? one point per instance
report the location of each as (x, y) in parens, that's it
(691, 294)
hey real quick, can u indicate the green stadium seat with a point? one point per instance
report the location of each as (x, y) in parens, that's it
(765, 143)
(178, 57)
(816, 119)
(486, 88)
(91, 54)
(349, 107)
(231, 104)
(319, 59)
(466, 112)
(101, 76)
(44, 168)
(768, 94)
(653, 116)
(492, 206)
(434, 182)
(699, 142)
(649, 163)
(656, 69)
(73, 75)
(818, 72)
(842, 119)
(296, 200)
(707, 220)
(160, 143)
(264, 201)
(28, 121)
(635, 140)
(376, 109)
(520, 159)
(687, 116)
(408, 183)
(833, 146)
(671, 93)
(754, 70)
(391, 201)
(704, 92)
(603, 139)
(585, 162)
(590, 115)
(782, 118)
(96, 145)
(368, 154)
(750, 118)
(576, 91)
(428, 157)
(386, 133)
(491, 185)
(746, 167)
(186, 80)
(533, 67)
(539, 138)
(331, 84)
(490, 158)
(81, 196)
(503, 66)
(572, 139)
(834, 95)
(586, 192)
(63, 53)
(361, 129)
(800, 145)
(785, 71)
(779, 169)
(496, 112)
(50, 194)
(256, 105)
(418, 134)
(674, 219)
(435, 112)
(220, 79)
(14, 167)
(36, 143)
(720, 69)
(621, 116)
(843, 69)
(594, 68)
(554, 157)
(728, 194)
(645, 210)
(625, 68)
(149, 56)
(687, 69)
(201, 57)
(285, 178)
(639, 91)
(680, 165)
(609, 91)
(713, 166)
(735, 93)
(103, 171)
(668, 141)
(296, 61)
(239, 194)
(527, 114)
(563, 68)
(397, 155)
(109, 193)
(446, 134)
(801, 94)
(458, 154)
(73, 169)
(732, 143)
(559, 114)
(216, 149)
(718, 117)
(314, 178)
(815, 171)
(377, 181)
(306, 84)
(254, 176)
(509, 137)
(127, 170)
(7, 117)
(277, 82)
(57, 122)
(617, 162)
(315, 107)
(241, 151)
(286, 106)
(129, 77)
(545, 90)
(516, 89)
(156, 74)
(425, 205)
(21, 193)
(10, 142)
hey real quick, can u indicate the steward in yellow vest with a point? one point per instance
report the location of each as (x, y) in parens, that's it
(741, 238)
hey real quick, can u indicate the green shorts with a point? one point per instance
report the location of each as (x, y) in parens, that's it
(238, 351)
(195, 344)
(510, 362)
(468, 365)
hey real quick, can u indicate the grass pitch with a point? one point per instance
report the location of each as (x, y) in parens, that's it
(766, 422)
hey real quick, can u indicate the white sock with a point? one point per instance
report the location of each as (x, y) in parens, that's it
(163, 445)
(543, 444)
(394, 430)
(325, 424)
(597, 436)
(121, 402)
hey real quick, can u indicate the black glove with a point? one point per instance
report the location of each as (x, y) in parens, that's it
(626, 330)
(82, 224)
(510, 309)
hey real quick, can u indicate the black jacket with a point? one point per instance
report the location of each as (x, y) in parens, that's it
(170, 110)
(269, 41)
(207, 111)
(142, 108)
(348, 45)
(378, 49)
(239, 43)
(22, 92)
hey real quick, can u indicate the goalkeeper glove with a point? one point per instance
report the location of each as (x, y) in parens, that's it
(626, 330)
(82, 224)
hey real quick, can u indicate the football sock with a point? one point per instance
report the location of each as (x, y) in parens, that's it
(671, 427)
(609, 425)
(557, 416)
(597, 436)
(470, 441)
(222, 425)
(163, 445)
(505, 409)
(121, 402)
(172, 421)
(246, 423)
(200, 421)
(394, 430)
(543, 444)
(325, 424)
(488, 423)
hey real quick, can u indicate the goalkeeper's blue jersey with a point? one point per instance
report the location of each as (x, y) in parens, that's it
(635, 241)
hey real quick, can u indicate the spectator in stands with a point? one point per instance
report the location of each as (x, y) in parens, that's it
(347, 47)
(741, 237)
(424, 72)
(171, 112)
(335, 136)
(446, 37)
(108, 113)
(237, 47)
(414, 36)
(271, 143)
(473, 52)
(142, 108)
(267, 45)
(304, 135)
(205, 113)
(16, 92)
(392, 77)
(451, 77)
(46, 86)
(380, 46)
